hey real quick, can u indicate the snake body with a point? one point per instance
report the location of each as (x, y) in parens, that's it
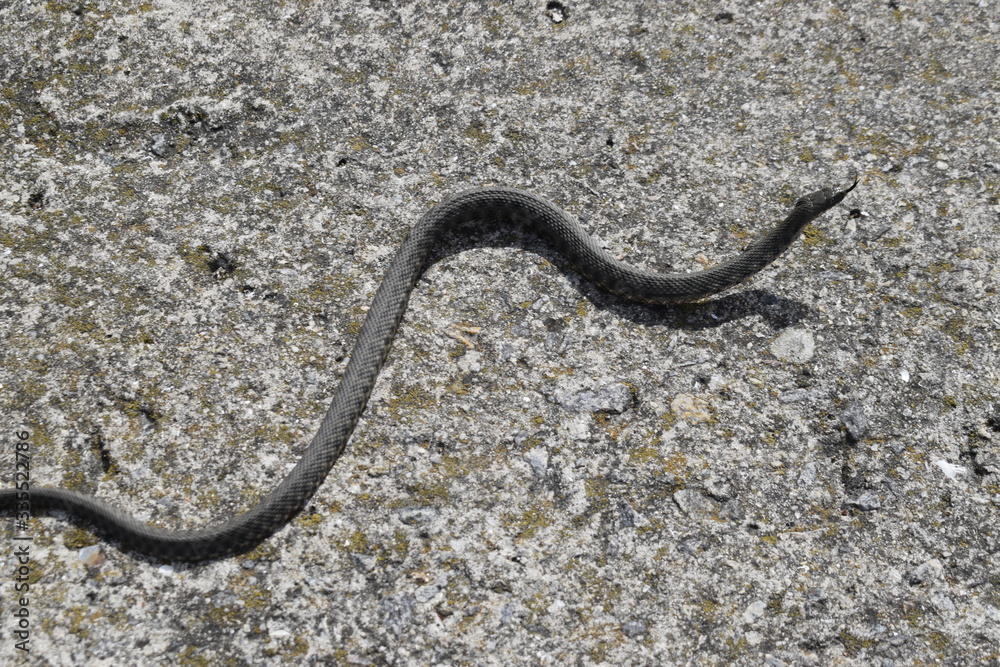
(246, 530)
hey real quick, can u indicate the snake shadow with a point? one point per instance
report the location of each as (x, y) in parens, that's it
(738, 303)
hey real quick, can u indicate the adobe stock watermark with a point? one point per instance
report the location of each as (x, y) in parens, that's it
(21, 539)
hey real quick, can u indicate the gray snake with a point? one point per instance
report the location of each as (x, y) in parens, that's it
(246, 530)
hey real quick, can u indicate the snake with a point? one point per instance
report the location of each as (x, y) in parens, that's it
(503, 205)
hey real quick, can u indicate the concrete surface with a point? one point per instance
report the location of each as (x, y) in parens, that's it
(199, 198)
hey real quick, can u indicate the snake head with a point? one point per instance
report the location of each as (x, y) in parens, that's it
(823, 200)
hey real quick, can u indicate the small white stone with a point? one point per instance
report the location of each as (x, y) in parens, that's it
(950, 470)
(794, 345)
(754, 611)
(91, 556)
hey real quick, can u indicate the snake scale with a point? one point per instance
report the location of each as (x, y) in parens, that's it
(246, 530)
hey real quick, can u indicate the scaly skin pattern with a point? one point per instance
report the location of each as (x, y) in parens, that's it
(505, 205)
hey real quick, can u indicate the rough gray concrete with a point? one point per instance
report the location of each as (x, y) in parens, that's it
(198, 201)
